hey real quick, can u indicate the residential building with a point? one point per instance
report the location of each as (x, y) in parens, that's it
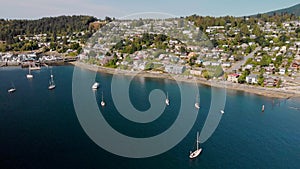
(196, 72)
(175, 69)
(282, 71)
(233, 78)
(251, 79)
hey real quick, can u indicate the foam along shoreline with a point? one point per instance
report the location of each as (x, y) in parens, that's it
(280, 93)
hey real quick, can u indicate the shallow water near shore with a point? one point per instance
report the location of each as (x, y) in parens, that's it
(39, 128)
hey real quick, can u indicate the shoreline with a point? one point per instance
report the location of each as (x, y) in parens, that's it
(280, 93)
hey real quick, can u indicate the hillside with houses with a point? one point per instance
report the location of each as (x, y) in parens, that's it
(250, 51)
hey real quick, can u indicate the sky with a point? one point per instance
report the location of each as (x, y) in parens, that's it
(33, 9)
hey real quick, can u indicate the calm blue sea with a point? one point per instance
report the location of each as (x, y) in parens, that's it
(40, 129)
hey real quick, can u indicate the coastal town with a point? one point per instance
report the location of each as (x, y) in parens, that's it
(273, 64)
(264, 54)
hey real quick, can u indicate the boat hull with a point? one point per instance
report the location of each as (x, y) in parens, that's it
(167, 102)
(195, 153)
(95, 86)
(197, 105)
(11, 90)
(51, 87)
(29, 76)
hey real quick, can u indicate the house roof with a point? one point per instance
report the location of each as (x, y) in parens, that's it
(252, 76)
(234, 75)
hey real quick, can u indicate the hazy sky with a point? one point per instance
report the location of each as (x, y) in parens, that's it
(33, 9)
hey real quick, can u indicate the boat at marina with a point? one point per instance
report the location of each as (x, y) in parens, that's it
(198, 150)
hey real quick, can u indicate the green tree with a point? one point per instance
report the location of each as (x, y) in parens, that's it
(205, 74)
(260, 79)
(257, 31)
(244, 30)
(149, 66)
(242, 78)
(279, 83)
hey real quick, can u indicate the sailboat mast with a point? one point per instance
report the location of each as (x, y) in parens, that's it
(51, 77)
(197, 140)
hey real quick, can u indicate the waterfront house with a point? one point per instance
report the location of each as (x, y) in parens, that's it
(251, 79)
(139, 65)
(271, 82)
(175, 69)
(233, 77)
(196, 72)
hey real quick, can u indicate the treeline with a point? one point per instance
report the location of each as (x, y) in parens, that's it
(204, 21)
(62, 25)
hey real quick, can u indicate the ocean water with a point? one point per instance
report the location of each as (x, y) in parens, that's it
(40, 128)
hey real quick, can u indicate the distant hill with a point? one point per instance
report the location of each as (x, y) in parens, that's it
(51, 25)
(291, 10)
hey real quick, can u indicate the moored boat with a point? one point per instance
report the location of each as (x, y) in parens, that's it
(167, 100)
(102, 101)
(51, 82)
(197, 152)
(95, 86)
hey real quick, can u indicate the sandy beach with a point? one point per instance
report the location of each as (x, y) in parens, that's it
(281, 93)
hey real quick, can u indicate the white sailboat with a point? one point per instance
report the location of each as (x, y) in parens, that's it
(102, 101)
(29, 75)
(167, 100)
(51, 82)
(13, 89)
(263, 108)
(197, 151)
(222, 111)
(197, 104)
(95, 86)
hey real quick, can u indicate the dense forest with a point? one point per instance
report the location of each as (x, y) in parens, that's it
(62, 25)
